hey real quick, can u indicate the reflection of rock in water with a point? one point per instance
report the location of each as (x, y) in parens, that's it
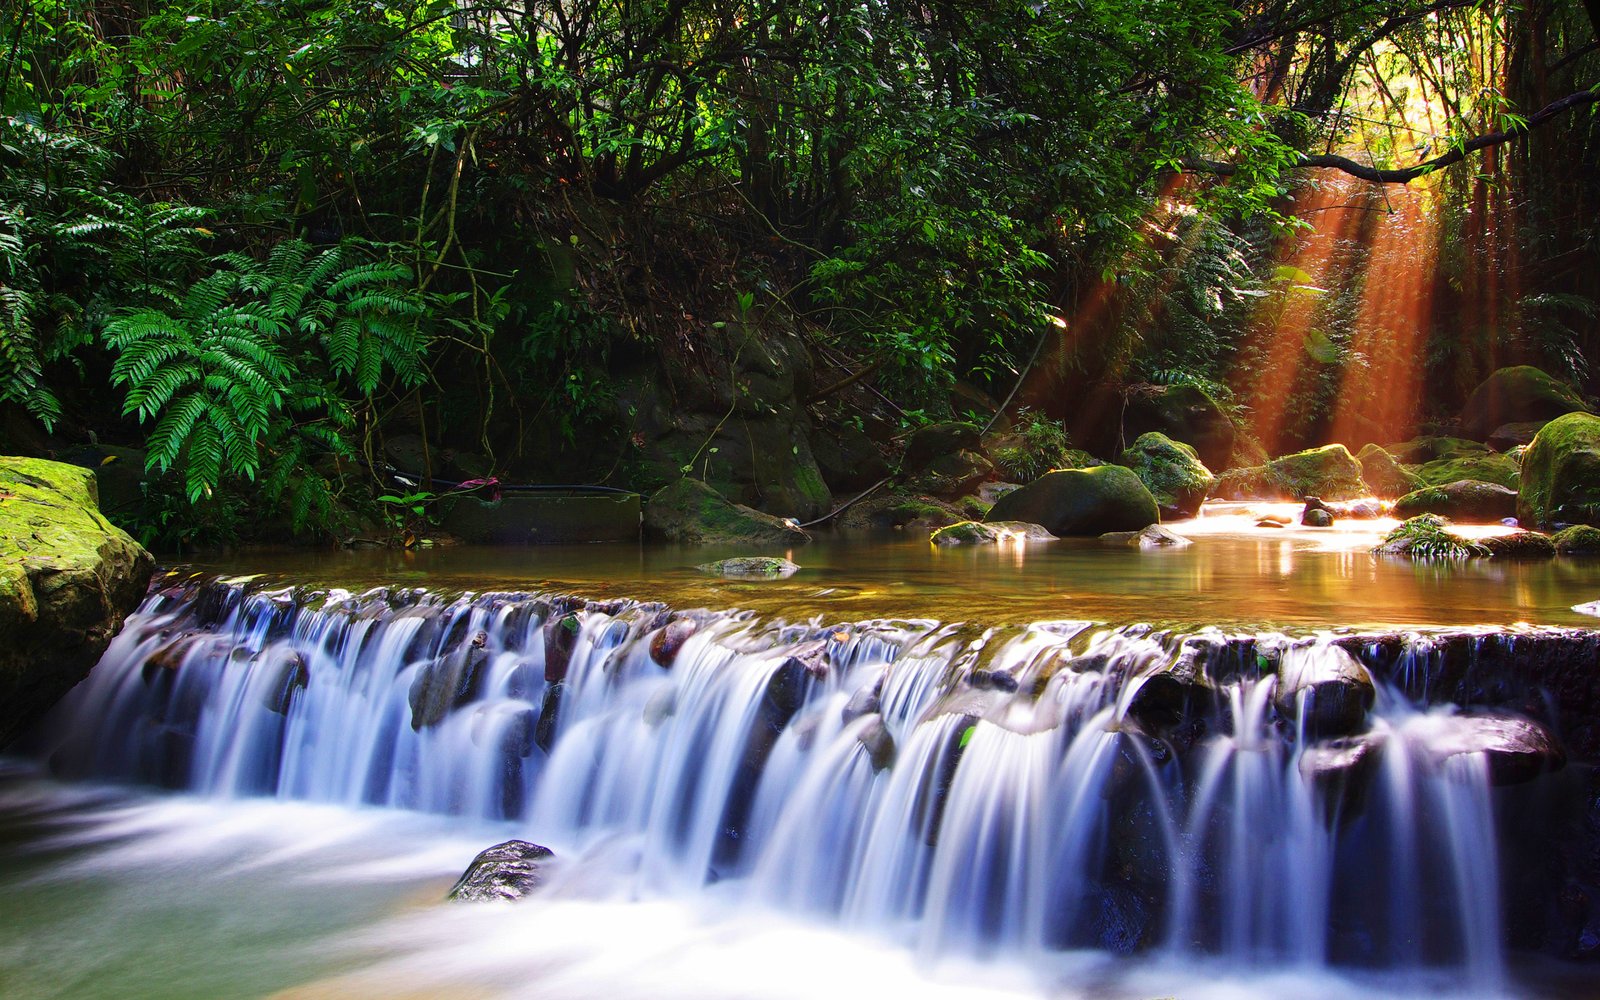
(1266, 798)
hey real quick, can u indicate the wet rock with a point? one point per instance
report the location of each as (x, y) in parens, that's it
(544, 734)
(864, 702)
(1466, 500)
(1270, 522)
(560, 639)
(1507, 437)
(67, 579)
(282, 673)
(1316, 517)
(1159, 704)
(876, 740)
(1360, 510)
(990, 533)
(1081, 502)
(662, 706)
(447, 682)
(992, 680)
(1561, 474)
(1384, 475)
(1578, 540)
(691, 512)
(1513, 395)
(669, 639)
(1517, 749)
(952, 476)
(1172, 472)
(1154, 536)
(507, 871)
(1519, 545)
(900, 510)
(1342, 771)
(751, 568)
(1325, 690)
(1591, 608)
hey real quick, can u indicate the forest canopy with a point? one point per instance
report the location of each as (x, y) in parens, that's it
(255, 239)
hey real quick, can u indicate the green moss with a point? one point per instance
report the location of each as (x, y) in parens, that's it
(1171, 471)
(1428, 536)
(1498, 469)
(973, 507)
(1561, 473)
(1329, 472)
(1383, 473)
(963, 533)
(1578, 540)
(1520, 545)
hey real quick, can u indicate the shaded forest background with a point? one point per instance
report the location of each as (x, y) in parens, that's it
(271, 250)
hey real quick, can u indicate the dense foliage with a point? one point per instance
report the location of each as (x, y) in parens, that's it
(280, 231)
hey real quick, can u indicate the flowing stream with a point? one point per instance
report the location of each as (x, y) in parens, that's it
(820, 807)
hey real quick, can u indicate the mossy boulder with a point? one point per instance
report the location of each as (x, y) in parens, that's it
(1501, 470)
(1520, 545)
(1518, 435)
(691, 512)
(903, 510)
(989, 533)
(1561, 474)
(1466, 500)
(1427, 449)
(1172, 472)
(1384, 475)
(1578, 540)
(1081, 502)
(1153, 536)
(68, 577)
(952, 475)
(751, 568)
(1513, 395)
(1329, 472)
(1428, 536)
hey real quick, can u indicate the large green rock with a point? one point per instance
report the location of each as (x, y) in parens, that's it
(1384, 475)
(691, 512)
(1501, 470)
(1329, 472)
(1428, 449)
(1513, 395)
(67, 579)
(1561, 474)
(1081, 502)
(1172, 472)
(1466, 500)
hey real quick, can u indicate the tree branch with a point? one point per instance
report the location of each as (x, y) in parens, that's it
(1405, 175)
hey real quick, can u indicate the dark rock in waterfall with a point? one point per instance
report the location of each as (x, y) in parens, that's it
(544, 734)
(1159, 704)
(560, 639)
(669, 639)
(1327, 692)
(446, 682)
(992, 680)
(864, 702)
(878, 743)
(1516, 749)
(1342, 770)
(504, 872)
(282, 674)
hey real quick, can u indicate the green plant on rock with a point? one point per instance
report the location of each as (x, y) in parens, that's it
(262, 364)
(1428, 536)
(1043, 444)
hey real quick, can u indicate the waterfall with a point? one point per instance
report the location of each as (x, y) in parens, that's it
(1057, 786)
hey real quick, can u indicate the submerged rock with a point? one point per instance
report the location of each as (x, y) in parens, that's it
(1513, 395)
(505, 871)
(1172, 472)
(691, 512)
(751, 568)
(1463, 500)
(1561, 474)
(1316, 517)
(1081, 502)
(990, 533)
(669, 639)
(1153, 536)
(67, 579)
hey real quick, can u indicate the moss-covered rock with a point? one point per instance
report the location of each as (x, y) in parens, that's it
(1578, 540)
(1152, 536)
(1467, 500)
(1428, 536)
(952, 475)
(1384, 475)
(67, 579)
(989, 533)
(936, 440)
(1172, 472)
(1520, 545)
(901, 510)
(1427, 449)
(751, 568)
(1329, 472)
(1501, 470)
(1561, 474)
(1512, 395)
(689, 511)
(1081, 502)
(1518, 435)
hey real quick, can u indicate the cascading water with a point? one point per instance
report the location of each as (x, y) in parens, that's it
(1056, 787)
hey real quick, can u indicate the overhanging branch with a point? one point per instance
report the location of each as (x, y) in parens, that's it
(1404, 175)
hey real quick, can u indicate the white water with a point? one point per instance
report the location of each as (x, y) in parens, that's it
(715, 803)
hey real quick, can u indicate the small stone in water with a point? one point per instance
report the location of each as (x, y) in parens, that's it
(1592, 608)
(505, 871)
(751, 568)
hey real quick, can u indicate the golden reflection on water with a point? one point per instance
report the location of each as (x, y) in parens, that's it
(1234, 575)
